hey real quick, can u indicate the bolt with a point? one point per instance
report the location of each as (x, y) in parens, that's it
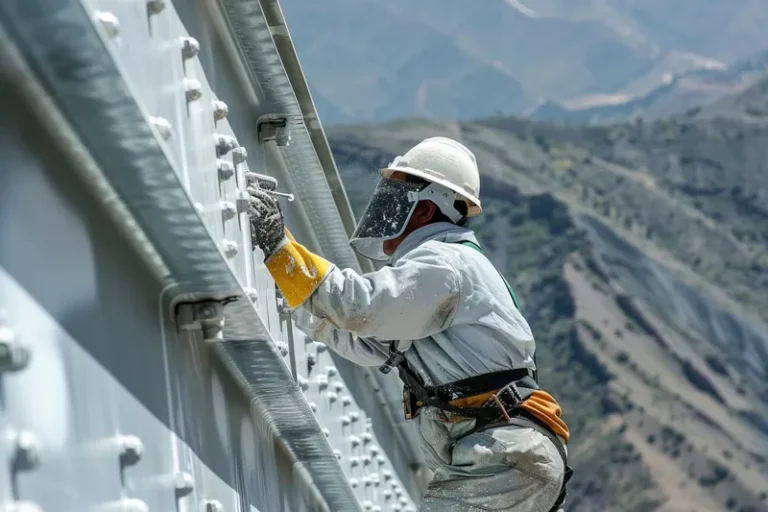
(337, 454)
(183, 484)
(367, 482)
(332, 397)
(213, 506)
(367, 505)
(346, 400)
(239, 155)
(163, 127)
(354, 416)
(345, 420)
(131, 450)
(228, 209)
(387, 475)
(331, 371)
(387, 495)
(189, 47)
(27, 455)
(226, 169)
(326, 432)
(403, 502)
(322, 382)
(109, 22)
(193, 88)
(243, 202)
(367, 437)
(374, 450)
(13, 356)
(229, 248)
(155, 6)
(354, 440)
(282, 347)
(220, 109)
(381, 460)
(312, 405)
(366, 460)
(224, 144)
(303, 383)
(338, 386)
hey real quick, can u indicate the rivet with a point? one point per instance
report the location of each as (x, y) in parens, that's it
(326, 432)
(367, 505)
(131, 450)
(332, 397)
(242, 201)
(239, 155)
(322, 382)
(366, 482)
(387, 475)
(109, 22)
(193, 88)
(337, 454)
(346, 400)
(354, 440)
(189, 47)
(155, 6)
(398, 492)
(374, 450)
(213, 506)
(228, 209)
(183, 484)
(13, 355)
(224, 143)
(27, 454)
(226, 169)
(338, 386)
(353, 483)
(367, 437)
(220, 109)
(387, 494)
(303, 383)
(381, 460)
(354, 462)
(366, 460)
(354, 416)
(312, 405)
(282, 347)
(403, 501)
(345, 420)
(331, 371)
(163, 127)
(229, 247)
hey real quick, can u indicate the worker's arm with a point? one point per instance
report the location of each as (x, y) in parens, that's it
(365, 352)
(414, 299)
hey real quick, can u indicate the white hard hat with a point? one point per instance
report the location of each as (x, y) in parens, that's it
(446, 162)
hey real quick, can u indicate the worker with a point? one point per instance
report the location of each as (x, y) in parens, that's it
(447, 319)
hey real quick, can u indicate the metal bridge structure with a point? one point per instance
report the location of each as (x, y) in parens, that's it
(147, 362)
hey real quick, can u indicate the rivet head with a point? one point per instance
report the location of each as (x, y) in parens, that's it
(353, 483)
(387, 494)
(239, 155)
(331, 371)
(354, 416)
(109, 23)
(322, 381)
(155, 6)
(381, 460)
(13, 355)
(189, 47)
(346, 400)
(220, 109)
(345, 420)
(229, 247)
(27, 453)
(332, 397)
(224, 143)
(131, 450)
(366, 460)
(374, 450)
(193, 88)
(354, 440)
(337, 454)
(226, 169)
(228, 209)
(282, 347)
(367, 437)
(163, 127)
(312, 405)
(183, 483)
(326, 432)
(303, 384)
(338, 386)
(213, 506)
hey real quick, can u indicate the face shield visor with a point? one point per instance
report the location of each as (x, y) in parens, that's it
(385, 217)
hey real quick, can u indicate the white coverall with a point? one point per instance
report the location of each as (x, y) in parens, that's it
(454, 317)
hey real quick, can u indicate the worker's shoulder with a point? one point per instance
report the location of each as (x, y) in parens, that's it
(449, 252)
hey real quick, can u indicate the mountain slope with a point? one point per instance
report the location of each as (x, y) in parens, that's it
(379, 60)
(641, 265)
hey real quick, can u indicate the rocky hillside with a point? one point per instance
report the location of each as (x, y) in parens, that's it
(373, 60)
(639, 251)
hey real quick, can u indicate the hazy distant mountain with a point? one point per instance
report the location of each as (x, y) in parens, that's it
(375, 59)
(640, 253)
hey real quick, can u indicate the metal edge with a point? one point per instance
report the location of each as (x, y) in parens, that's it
(67, 59)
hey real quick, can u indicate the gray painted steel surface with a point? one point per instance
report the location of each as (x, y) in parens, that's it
(146, 362)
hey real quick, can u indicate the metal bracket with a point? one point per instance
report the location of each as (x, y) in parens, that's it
(207, 317)
(274, 129)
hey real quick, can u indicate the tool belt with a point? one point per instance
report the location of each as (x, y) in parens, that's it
(507, 389)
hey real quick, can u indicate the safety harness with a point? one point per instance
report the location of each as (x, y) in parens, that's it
(510, 388)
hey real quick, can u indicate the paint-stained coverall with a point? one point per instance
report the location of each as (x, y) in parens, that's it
(454, 318)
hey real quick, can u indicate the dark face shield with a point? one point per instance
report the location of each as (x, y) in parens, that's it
(385, 217)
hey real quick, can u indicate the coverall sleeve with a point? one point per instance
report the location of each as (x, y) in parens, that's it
(414, 299)
(365, 352)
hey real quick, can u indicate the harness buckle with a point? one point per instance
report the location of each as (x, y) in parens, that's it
(395, 359)
(517, 398)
